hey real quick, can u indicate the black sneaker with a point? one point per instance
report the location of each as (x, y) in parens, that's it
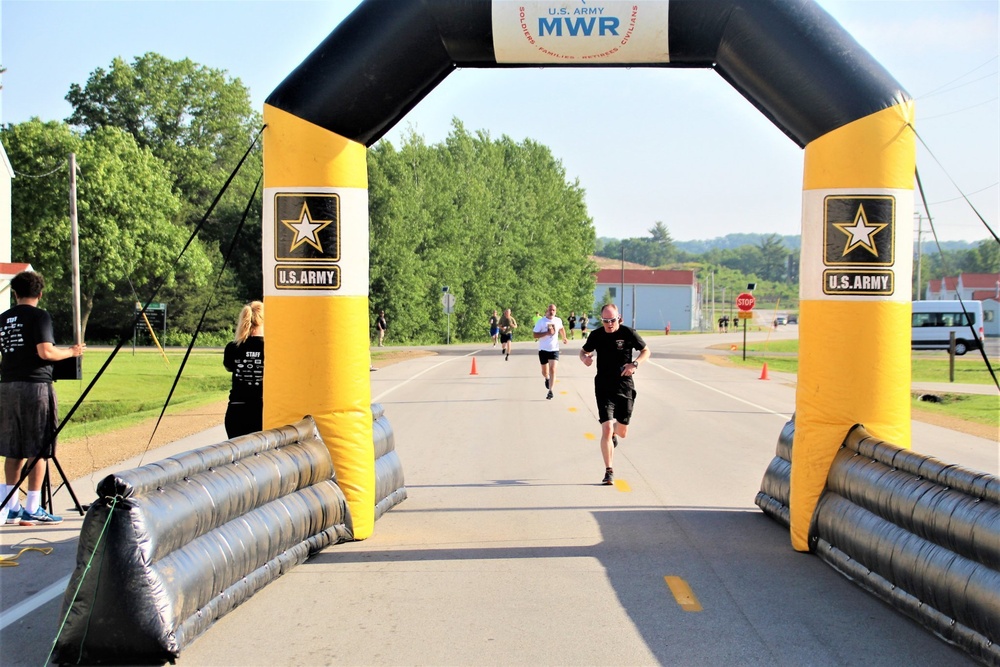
(614, 439)
(546, 383)
(548, 396)
(609, 477)
(507, 357)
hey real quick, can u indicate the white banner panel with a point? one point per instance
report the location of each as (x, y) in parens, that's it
(315, 241)
(580, 32)
(857, 245)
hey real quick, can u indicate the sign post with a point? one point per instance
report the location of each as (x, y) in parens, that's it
(448, 302)
(745, 303)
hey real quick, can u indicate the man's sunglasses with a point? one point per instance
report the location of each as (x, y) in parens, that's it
(609, 320)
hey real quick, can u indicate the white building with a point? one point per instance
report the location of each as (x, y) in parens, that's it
(982, 287)
(651, 298)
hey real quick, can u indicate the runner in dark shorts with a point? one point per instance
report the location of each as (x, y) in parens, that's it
(614, 389)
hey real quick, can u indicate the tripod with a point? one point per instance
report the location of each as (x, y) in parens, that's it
(46, 482)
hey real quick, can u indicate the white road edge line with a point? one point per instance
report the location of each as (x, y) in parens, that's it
(25, 607)
(724, 393)
(388, 391)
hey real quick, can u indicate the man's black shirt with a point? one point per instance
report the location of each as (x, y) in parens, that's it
(614, 350)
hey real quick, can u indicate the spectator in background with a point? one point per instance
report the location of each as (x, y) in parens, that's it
(30, 411)
(381, 326)
(244, 358)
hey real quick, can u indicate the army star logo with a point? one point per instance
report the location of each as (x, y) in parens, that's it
(859, 230)
(860, 233)
(306, 229)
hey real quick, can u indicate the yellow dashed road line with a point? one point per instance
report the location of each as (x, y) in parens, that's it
(682, 593)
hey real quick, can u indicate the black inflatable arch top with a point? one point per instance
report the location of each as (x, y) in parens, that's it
(789, 58)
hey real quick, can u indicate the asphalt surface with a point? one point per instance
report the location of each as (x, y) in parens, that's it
(509, 551)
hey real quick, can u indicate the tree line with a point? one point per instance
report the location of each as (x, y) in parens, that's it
(496, 221)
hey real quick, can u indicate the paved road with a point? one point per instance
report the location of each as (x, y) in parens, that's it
(509, 551)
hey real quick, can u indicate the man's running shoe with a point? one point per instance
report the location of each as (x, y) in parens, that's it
(614, 439)
(38, 517)
(14, 516)
(548, 396)
(507, 357)
(609, 477)
(546, 383)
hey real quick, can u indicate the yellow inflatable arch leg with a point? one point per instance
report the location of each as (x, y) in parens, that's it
(315, 263)
(854, 327)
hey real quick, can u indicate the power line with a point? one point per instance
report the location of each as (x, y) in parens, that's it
(944, 85)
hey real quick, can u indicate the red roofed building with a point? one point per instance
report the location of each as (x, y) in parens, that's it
(7, 272)
(982, 287)
(651, 298)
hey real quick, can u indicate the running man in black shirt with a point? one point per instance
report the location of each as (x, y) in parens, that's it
(613, 344)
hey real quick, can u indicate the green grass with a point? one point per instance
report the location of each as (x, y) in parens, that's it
(782, 356)
(970, 407)
(134, 387)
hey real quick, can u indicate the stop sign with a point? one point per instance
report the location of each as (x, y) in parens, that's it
(745, 301)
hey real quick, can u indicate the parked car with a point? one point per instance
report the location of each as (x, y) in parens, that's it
(793, 319)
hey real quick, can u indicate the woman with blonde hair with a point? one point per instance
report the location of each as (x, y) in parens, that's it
(244, 358)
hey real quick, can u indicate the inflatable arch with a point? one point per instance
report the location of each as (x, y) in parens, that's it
(789, 58)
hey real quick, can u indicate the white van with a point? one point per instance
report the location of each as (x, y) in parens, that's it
(933, 322)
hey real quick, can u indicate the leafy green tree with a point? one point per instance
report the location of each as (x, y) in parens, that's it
(126, 214)
(199, 122)
(494, 220)
(984, 258)
(773, 258)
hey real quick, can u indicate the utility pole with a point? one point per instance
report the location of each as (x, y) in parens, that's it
(621, 297)
(74, 249)
(920, 252)
(712, 321)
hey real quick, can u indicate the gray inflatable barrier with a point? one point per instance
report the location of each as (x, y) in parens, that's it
(389, 483)
(920, 534)
(776, 485)
(171, 547)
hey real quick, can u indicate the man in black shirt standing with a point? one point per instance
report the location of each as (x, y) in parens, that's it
(29, 415)
(613, 344)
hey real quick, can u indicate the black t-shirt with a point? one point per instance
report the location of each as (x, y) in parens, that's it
(246, 363)
(22, 328)
(614, 350)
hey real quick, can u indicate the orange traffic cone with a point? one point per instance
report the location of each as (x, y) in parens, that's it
(763, 373)
(473, 371)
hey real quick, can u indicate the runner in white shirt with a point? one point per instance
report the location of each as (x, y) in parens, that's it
(547, 332)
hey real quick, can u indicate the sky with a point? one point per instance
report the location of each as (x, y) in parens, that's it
(676, 146)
